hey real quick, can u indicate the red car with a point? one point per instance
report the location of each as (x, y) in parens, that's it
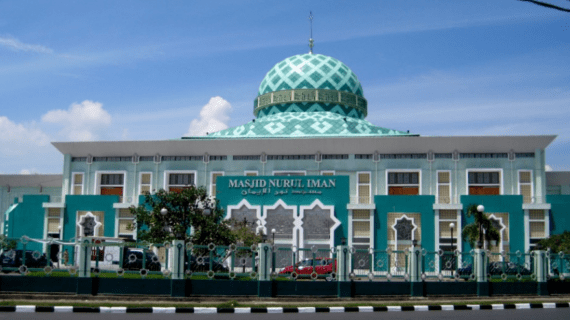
(322, 266)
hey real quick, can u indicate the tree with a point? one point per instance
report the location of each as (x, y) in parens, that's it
(471, 231)
(189, 207)
(557, 243)
(547, 5)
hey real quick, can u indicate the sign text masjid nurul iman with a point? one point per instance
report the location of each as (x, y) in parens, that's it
(282, 183)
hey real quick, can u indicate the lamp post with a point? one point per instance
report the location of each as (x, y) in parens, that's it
(451, 226)
(480, 210)
(273, 234)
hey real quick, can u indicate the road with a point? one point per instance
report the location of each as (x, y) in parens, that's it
(527, 314)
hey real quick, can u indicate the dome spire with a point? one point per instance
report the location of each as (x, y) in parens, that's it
(311, 41)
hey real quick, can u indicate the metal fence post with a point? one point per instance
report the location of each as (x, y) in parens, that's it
(84, 259)
(541, 271)
(178, 260)
(265, 285)
(343, 266)
(415, 260)
(481, 272)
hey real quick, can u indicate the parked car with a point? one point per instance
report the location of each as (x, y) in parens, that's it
(151, 260)
(321, 266)
(202, 264)
(13, 259)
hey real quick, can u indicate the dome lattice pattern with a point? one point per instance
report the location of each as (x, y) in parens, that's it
(310, 71)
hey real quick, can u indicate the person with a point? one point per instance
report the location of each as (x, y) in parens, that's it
(65, 257)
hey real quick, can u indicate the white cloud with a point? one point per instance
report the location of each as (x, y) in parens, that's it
(16, 45)
(214, 116)
(82, 121)
(18, 134)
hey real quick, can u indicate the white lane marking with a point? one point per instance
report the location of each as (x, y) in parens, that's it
(365, 309)
(307, 310)
(163, 310)
(274, 310)
(242, 310)
(25, 308)
(63, 309)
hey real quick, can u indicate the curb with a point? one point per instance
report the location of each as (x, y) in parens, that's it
(198, 310)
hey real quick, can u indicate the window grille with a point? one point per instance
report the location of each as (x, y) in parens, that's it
(183, 179)
(182, 158)
(218, 158)
(484, 155)
(247, 157)
(291, 157)
(112, 159)
(363, 156)
(146, 158)
(524, 155)
(334, 156)
(443, 155)
(78, 159)
(404, 156)
(112, 179)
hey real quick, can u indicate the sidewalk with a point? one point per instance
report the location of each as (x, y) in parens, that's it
(225, 301)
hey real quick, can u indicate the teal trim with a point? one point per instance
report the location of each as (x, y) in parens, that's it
(559, 213)
(404, 204)
(511, 204)
(338, 196)
(27, 218)
(299, 124)
(76, 203)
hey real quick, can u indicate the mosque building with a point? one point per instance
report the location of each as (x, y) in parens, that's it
(311, 167)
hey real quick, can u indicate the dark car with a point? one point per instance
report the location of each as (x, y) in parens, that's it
(133, 260)
(497, 269)
(14, 259)
(202, 264)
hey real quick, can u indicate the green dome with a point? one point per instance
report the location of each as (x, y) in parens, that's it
(310, 82)
(310, 71)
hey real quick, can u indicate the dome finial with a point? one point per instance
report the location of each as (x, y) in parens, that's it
(311, 41)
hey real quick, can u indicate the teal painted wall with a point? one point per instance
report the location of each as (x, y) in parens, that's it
(404, 204)
(28, 219)
(76, 203)
(511, 204)
(337, 196)
(559, 213)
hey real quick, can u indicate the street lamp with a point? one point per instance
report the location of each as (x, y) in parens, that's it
(451, 226)
(480, 210)
(163, 211)
(273, 234)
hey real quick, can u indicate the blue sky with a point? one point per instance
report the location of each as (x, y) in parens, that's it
(150, 70)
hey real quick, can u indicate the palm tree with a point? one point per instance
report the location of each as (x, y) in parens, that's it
(472, 232)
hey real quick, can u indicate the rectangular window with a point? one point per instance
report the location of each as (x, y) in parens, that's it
(126, 220)
(484, 182)
(53, 221)
(363, 187)
(77, 183)
(404, 183)
(289, 173)
(112, 184)
(525, 185)
(327, 173)
(145, 182)
(444, 187)
(178, 181)
(250, 173)
(213, 178)
(537, 227)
